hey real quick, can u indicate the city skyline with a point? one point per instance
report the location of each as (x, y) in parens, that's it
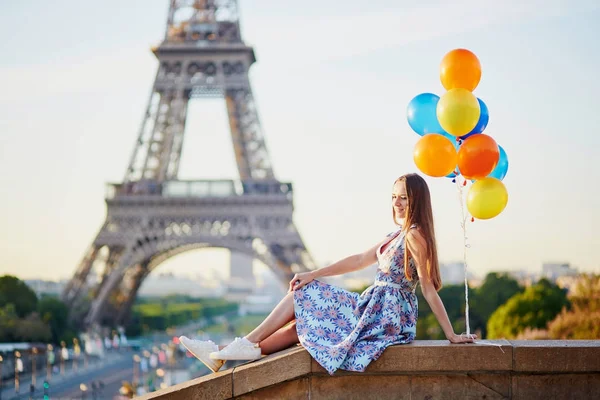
(160, 284)
(332, 100)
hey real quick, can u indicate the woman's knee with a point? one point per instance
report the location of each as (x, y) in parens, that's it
(289, 335)
(289, 298)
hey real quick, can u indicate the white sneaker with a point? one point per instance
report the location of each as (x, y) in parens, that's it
(201, 350)
(239, 349)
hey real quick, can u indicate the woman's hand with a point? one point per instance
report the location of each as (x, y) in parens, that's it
(300, 280)
(462, 338)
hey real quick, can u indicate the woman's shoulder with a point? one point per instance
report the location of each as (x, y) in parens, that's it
(414, 234)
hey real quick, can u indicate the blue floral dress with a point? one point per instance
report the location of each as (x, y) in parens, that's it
(345, 330)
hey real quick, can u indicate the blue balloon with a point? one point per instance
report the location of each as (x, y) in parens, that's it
(502, 167)
(455, 141)
(457, 144)
(484, 118)
(421, 114)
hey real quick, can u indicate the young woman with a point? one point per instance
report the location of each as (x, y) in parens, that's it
(344, 330)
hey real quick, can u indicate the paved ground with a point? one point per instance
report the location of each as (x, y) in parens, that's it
(67, 386)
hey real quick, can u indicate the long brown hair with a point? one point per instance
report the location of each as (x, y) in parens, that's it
(420, 213)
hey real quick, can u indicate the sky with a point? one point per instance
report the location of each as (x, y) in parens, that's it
(332, 85)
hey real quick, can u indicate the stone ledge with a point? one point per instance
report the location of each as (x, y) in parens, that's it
(556, 355)
(214, 386)
(506, 369)
(278, 367)
(438, 356)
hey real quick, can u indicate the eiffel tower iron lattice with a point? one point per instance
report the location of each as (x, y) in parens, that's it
(152, 215)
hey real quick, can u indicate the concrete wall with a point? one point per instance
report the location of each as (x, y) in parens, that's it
(421, 370)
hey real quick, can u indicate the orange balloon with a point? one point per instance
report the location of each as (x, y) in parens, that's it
(460, 68)
(435, 155)
(478, 156)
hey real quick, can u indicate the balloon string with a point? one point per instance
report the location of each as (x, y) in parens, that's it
(498, 345)
(463, 225)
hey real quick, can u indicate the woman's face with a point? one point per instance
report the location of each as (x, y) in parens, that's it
(399, 199)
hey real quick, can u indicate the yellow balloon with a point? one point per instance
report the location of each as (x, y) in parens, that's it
(458, 111)
(487, 198)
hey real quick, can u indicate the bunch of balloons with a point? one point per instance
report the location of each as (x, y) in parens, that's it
(453, 142)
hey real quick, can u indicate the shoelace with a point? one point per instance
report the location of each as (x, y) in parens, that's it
(243, 343)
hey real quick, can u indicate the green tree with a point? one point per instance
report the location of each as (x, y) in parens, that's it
(577, 324)
(32, 329)
(15, 291)
(534, 308)
(453, 297)
(162, 313)
(8, 323)
(583, 321)
(55, 314)
(28, 329)
(586, 293)
(495, 290)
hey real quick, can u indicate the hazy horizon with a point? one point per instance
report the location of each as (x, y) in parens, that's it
(332, 85)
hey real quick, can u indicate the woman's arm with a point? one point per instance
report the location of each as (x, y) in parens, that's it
(418, 250)
(345, 265)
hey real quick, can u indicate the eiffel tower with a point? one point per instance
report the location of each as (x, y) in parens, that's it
(152, 215)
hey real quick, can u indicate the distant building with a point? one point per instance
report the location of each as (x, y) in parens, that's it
(553, 271)
(567, 282)
(48, 288)
(242, 282)
(258, 304)
(524, 278)
(452, 273)
(161, 285)
(266, 292)
(242, 268)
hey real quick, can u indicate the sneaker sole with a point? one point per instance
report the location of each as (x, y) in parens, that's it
(237, 358)
(218, 363)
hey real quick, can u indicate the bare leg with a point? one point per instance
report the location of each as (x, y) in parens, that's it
(281, 315)
(282, 339)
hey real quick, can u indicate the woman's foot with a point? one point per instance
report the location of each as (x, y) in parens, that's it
(239, 349)
(201, 350)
